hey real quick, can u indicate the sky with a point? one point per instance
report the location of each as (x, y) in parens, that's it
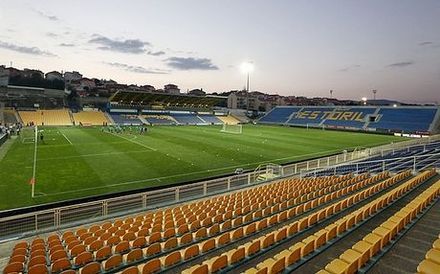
(300, 48)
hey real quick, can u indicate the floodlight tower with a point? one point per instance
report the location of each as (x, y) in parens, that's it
(331, 94)
(374, 93)
(364, 100)
(247, 67)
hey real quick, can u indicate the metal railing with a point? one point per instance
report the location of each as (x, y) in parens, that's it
(68, 216)
(415, 163)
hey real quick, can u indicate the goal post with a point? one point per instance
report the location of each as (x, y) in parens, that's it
(230, 128)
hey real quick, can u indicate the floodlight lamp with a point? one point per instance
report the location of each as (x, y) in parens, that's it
(247, 67)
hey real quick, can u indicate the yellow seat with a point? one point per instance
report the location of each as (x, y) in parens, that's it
(433, 255)
(436, 244)
(266, 264)
(337, 266)
(392, 226)
(375, 241)
(384, 233)
(309, 245)
(282, 254)
(364, 248)
(353, 258)
(428, 267)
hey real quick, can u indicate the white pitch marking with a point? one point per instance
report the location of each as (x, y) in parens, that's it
(177, 175)
(134, 142)
(66, 138)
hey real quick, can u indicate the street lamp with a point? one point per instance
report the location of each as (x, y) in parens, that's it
(374, 93)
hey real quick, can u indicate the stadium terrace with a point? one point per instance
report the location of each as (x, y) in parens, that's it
(145, 181)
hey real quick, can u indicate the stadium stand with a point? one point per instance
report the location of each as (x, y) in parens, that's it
(431, 263)
(382, 119)
(166, 238)
(160, 100)
(187, 119)
(10, 116)
(90, 118)
(279, 115)
(230, 120)
(310, 116)
(358, 122)
(396, 161)
(405, 119)
(126, 119)
(271, 228)
(59, 117)
(210, 119)
(378, 240)
(160, 120)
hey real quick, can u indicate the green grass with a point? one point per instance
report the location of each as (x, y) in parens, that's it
(79, 162)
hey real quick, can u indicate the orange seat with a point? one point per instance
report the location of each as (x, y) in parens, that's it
(131, 270)
(15, 267)
(37, 260)
(83, 258)
(38, 269)
(60, 265)
(113, 262)
(91, 268)
(151, 266)
(134, 255)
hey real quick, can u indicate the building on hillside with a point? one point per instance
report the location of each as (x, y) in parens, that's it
(171, 89)
(148, 88)
(4, 76)
(32, 73)
(54, 75)
(197, 92)
(13, 72)
(254, 101)
(84, 85)
(72, 76)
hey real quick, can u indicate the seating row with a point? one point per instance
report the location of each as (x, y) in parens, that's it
(300, 250)
(99, 242)
(261, 244)
(356, 257)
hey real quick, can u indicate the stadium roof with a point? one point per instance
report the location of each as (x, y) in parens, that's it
(131, 98)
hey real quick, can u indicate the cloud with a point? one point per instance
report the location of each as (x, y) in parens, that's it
(47, 16)
(66, 45)
(156, 53)
(135, 46)
(136, 69)
(190, 63)
(51, 34)
(181, 51)
(27, 50)
(401, 64)
(426, 43)
(350, 68)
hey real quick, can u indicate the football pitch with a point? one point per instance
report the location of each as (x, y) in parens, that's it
(78, 162)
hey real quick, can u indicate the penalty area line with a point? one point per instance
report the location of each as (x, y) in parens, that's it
(134, 142)
(66, 138)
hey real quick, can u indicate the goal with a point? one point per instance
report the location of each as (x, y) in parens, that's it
(28, 135)
(237, 129)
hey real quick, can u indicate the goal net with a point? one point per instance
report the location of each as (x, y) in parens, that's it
(28, 134)
(237, 129)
